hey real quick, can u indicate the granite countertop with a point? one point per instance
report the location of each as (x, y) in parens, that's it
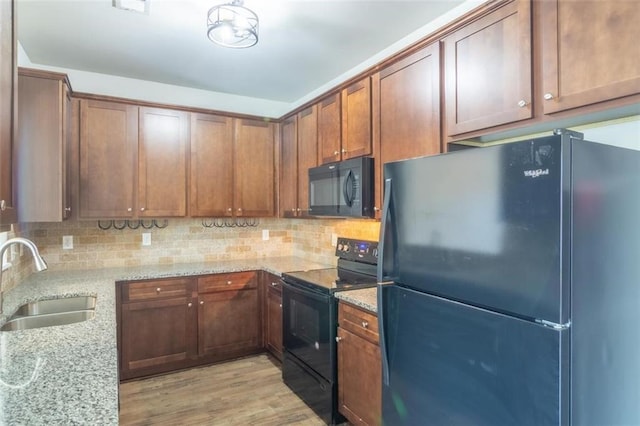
(69, 374)
(366, 298)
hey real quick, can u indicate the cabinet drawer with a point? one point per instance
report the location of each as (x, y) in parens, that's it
(157, 289)
(359, 322)
(223, 282)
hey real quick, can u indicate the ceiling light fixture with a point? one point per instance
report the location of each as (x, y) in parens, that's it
(232, 25)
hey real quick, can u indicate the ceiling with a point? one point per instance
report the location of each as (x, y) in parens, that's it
(303, 44)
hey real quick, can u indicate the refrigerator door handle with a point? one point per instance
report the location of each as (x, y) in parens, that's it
(383, 244)
(553, 325)
(384, 353)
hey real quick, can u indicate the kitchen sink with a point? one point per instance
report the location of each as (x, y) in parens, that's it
(47, 313)
(47, 320)
(53, 306)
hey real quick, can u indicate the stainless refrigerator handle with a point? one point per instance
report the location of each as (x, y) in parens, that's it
(383, 228)
(384, 352)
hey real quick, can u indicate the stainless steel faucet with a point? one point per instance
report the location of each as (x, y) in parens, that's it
(41, 265)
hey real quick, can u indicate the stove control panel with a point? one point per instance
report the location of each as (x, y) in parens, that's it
(358, 250)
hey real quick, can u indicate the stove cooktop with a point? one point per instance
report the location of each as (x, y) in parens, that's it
(327, 280)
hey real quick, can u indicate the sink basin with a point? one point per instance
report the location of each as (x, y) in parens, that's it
(52, 306)
(47, 320)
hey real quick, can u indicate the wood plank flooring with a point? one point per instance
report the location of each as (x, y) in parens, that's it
(247, 391)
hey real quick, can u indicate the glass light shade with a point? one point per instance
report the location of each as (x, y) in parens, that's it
(232, 25)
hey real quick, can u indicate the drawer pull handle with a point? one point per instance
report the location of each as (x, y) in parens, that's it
(274, 284)
(338, 339)
(202, 302)
(228, 282)
(365, 324)
(548, 96)
(158, 290)
(281, 306)
(189, 305)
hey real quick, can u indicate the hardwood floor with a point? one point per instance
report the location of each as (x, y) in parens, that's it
(248, 391)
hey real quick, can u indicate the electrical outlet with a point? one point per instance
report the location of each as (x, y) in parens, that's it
(334, 239)
(67, 242)
(265, 235)
(146, 239)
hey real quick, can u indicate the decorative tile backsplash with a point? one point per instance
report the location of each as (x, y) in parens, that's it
(183, 241)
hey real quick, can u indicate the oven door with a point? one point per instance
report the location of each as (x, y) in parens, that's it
(308, 323)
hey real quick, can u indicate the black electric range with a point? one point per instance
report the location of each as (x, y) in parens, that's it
(310, 319)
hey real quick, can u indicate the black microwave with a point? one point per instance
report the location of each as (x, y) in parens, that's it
(343, 189)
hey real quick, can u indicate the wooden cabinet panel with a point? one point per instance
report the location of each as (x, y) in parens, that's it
(406, 111)
(254, 168)
(162, 165)
(329, 125)
(307, 154)
(273, 316)
(224, 282)
(211, 165)
(41, 147)
(289, 178)
(488, 70)
(359, 366)
(108, 159)
(8, 108)
(356, 120)
(157, 289)
(588, 52)
(228, 322)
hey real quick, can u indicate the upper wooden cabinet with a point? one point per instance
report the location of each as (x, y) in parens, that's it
(344, 123)
(254, 168)
(211, 192)
(8, 108)
(133, 161)
(42, 145)
(406, 111)
(487, 67)
(590, 52)
(298, 153)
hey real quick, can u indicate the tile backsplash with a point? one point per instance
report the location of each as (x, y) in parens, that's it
(183, 241)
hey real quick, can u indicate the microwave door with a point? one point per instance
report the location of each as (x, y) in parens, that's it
(323, 191)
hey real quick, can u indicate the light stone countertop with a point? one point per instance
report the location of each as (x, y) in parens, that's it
(366, 298)
(69, 374)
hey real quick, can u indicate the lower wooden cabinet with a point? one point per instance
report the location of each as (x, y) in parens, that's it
(273, 315)
(359, 367)
(174, 323)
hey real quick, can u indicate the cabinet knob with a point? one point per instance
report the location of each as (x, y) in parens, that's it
(239, 210)
(67, 209)
(344, 151)
(141, 209)
(376, 209)
(158, 290)
(129, 209)
(3, 205)
(522, 103)
(336, 152)
(365, 324)
(202, 302)
(229, 209)
(274, 284)
(281, 306)
(298, 209)
(228, 282)
(189, 305)
(548, 96)
(293, 210)
(338, 339)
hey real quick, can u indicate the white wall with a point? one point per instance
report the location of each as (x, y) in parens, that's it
(624, 133)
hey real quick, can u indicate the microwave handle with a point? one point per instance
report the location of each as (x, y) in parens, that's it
(347, 189)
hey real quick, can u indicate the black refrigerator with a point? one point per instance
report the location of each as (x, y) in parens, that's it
(509, 286)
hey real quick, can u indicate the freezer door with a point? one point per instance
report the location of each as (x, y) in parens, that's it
(452, 364)
(483, 227)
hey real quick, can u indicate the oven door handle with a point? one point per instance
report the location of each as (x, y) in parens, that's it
(304, 292)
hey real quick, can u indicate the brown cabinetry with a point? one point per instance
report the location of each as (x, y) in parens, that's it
(329, 136)
(359, 366)
(590, 52)
(298, 153)
(8, 107)
(41, 148)
(487, 67)
(406, 111)
(157, 327)
(133, 161)
(272, 314)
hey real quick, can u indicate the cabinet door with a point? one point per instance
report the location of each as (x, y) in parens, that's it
(108, 159)
(157, 336)
(356, 119)
(8, 107)
(329, 137)
(162, 165)
(488, 70)
(359, 379)
(307, 154)
(228, 322)
(406, 111)
(41, 147)
(289, 178)
(211, 165)
(254, 168)
(273, 313)
(590, 52)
